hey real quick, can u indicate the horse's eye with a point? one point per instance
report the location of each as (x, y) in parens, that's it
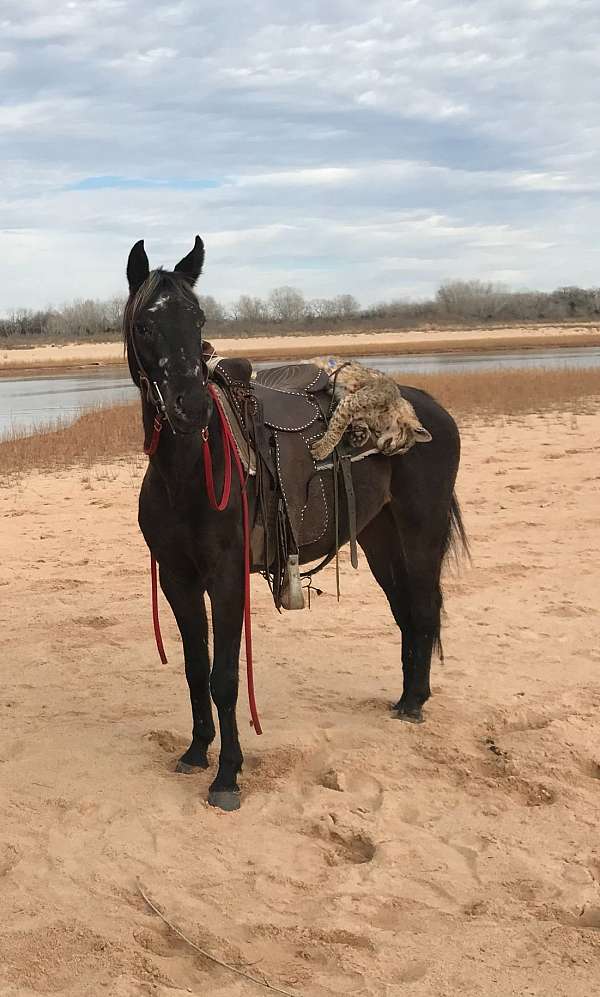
(143, 330)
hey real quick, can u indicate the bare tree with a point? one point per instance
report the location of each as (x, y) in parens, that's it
(322, 308)
(213, 309)
(113, 312)
(287, 305)
(346, 305)
(249, 309)
(470, 299)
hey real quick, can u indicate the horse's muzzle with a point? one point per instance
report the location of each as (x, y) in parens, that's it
(190, 410)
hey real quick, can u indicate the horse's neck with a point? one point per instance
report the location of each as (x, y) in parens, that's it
(178, 458)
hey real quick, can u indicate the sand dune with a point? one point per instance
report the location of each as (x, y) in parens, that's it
(370, 857)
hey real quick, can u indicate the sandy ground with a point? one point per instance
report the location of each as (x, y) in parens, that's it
(267, 347)
(370, 857)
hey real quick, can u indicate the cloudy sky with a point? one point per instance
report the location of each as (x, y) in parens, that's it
(372, 147)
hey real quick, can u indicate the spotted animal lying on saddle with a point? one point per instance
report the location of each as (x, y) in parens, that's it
(368, 403)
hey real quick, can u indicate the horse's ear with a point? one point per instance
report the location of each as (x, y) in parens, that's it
(191, 265)
(138, 267)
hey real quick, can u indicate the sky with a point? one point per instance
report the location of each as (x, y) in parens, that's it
(378, 148)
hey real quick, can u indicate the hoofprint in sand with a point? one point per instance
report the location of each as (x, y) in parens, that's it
(370, 857)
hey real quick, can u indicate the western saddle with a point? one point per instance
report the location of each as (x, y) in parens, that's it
(275, 414)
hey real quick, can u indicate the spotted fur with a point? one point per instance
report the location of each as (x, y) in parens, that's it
(368, 402)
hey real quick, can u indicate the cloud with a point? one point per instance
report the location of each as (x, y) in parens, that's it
(338, 147)
(138, 183)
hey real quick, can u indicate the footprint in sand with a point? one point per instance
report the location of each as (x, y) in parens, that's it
(568, 610)
(591, 767)
(590, 918)
(350, 846)
(166, 740)
(362, 791)
(158, 942)
(413, 971)
(95, 622)
(345, 844)
(9, 858)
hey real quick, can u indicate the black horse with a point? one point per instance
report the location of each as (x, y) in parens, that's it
(407, 516)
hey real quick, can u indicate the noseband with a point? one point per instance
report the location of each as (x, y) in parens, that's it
(151, 388)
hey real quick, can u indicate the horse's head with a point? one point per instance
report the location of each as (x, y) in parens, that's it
(163, 337)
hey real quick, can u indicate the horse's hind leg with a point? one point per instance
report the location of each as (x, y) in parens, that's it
(407, 564)
(186, 599)
(422, 546)
(381, 544)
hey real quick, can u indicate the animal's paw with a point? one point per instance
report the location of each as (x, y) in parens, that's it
(358, 434)
(320, 450)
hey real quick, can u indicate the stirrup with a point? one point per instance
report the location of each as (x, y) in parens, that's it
(292, 596)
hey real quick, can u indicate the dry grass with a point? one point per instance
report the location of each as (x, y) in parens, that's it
(112, 433)
(21, 366)
(99, 435)
(489, 394)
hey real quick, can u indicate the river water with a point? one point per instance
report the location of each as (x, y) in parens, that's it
(30, 401)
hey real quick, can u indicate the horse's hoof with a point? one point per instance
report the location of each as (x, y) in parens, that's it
(187, 769)
(409, 716)
(225, 799)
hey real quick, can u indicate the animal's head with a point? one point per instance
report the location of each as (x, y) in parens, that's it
(163, 336)
(402, 431)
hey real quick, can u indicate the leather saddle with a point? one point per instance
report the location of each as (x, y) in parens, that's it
(282, 411)
(294, 402)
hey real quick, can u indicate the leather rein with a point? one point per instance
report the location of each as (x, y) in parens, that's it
(155, 398)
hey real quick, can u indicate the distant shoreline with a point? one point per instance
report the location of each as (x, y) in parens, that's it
(85, 356)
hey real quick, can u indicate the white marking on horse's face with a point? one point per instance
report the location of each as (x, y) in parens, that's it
(163, 361)
(160, 302)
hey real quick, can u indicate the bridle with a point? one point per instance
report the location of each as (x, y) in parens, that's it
(153, 393)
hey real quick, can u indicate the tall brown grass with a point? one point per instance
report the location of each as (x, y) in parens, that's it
(511, 393)
(98, 435)
(22, 364)
(109, 434)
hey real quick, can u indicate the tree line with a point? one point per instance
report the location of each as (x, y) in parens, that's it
(287, 311)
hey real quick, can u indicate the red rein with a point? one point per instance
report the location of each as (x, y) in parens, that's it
(229, 448)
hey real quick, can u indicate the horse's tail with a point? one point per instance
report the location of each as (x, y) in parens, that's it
(456, 545)
(456, 541)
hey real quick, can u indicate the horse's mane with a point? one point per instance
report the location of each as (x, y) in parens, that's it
(157, 282)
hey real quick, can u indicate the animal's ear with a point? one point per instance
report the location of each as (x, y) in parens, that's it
(422, 435)
(191, 265)
(138, 267)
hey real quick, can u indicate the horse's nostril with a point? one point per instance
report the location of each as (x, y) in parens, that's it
(179, 402)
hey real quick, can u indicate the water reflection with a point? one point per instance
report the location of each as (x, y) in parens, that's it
(27, 402)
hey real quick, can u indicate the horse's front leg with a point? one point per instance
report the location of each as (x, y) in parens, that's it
(186, 598)
(227, 602)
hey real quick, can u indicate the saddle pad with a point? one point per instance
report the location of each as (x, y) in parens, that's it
(245, 450)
